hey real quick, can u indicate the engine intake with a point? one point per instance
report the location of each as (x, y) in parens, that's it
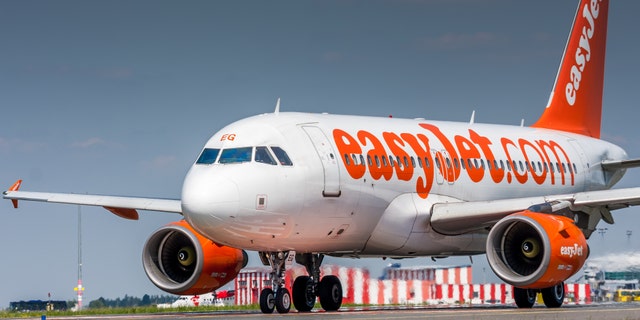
(534, 250)
(180, 261)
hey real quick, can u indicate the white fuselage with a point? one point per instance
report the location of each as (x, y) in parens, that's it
(367, 205)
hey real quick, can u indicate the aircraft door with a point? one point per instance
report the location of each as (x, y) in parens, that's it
(329, 161)
(438, 161)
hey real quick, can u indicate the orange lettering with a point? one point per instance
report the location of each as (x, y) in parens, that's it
(377, 170)
(539, 175)
(423, 185)
(469, 151)
(347, 145)
(403, 171)
(522, 178)
(497, 174)
(453, 172)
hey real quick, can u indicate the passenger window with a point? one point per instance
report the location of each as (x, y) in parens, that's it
(575, 169)
(264, 156)
(362, 160)
(236, 155)
(346, 159)
(208, 156)
(282, 156)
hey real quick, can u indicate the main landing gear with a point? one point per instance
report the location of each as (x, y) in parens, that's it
(305, 288)
(553, 297)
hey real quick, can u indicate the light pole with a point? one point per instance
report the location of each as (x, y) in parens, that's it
(602, 231)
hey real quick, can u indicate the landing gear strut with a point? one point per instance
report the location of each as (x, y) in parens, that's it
(277, 297)
(305, 288)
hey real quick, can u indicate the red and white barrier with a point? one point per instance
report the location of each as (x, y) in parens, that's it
(577, 293)
(359, 288)
(436, 274)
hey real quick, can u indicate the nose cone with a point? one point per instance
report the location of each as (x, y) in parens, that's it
(208, 199)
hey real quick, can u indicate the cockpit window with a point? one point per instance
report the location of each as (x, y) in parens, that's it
(282, 156)
(208, 156)
(264, 156)
(235, 155)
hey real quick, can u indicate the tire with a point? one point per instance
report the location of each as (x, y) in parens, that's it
(525, 298)
(283, 300)
(553, 297)
(267, 301)
(303, 296)
(330, 293)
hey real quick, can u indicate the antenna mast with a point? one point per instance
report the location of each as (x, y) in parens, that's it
(79, 288)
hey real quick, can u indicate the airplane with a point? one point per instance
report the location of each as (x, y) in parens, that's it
(301, 186)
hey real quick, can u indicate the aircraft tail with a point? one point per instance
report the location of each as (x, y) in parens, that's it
(575, 104)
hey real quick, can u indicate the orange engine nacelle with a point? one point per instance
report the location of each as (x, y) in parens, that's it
(181, 261)
(534, 250)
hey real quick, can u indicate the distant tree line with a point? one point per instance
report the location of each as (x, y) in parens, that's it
(129, 301)
(37, 305)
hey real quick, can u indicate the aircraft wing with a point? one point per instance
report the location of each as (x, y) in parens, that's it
(124, 207)
(455, 218)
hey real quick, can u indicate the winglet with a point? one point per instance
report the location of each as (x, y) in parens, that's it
(15, 187)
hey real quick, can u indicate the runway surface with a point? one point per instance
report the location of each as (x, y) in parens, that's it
(629, 311)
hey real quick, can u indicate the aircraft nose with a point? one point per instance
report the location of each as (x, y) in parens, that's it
(207, 198)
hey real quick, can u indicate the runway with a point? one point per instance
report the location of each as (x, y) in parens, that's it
(628, 311)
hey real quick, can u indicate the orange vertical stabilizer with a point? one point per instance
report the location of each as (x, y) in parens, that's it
(575, 104)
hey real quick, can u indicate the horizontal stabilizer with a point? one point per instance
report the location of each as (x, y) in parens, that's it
(620, 164)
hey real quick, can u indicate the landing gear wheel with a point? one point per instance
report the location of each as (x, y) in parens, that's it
(525, 298)
(330, 293)
(283, 300)
(267, 301)
(553, 297)
(303, 296)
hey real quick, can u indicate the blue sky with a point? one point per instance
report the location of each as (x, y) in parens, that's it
(118, 97)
